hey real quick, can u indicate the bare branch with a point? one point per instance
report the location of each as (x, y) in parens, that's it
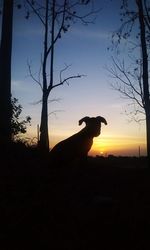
(35, 10)
(134, 115)
(55, 111)
(64, 69)
(72, 14)
(82, 18)
(40, 71)
(124, 82)
(37, 102)
(54, 100)
(33, 78)
(147, 18)
(59, 31)
(121, 68)
(66, 80)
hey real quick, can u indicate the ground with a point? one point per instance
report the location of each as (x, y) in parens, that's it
(101, 203)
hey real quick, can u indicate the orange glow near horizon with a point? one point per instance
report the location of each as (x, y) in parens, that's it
(117, 146)
(106, 145)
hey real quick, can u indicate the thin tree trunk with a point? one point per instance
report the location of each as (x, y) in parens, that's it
(148, 135)
(44, 139)
(5, 72)
(145, 73)
(52, 43)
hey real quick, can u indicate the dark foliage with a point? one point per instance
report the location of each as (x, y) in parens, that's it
(17, 126)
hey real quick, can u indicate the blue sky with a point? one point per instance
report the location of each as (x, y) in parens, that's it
(85, 49)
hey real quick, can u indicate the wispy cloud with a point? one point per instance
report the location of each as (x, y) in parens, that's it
(20, 85)
(17, 83)
(29, 32)
(92, 34)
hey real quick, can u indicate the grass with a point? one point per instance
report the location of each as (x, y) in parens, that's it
(101, 203)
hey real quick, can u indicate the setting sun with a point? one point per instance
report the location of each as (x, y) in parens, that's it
(103, 145)
(117, 146)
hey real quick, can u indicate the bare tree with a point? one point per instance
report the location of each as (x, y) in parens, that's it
(145, 76)
(132, 81)
(128, 81)
(5, 72)
(56, 17)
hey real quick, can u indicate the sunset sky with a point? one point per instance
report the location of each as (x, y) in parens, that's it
(85, 49)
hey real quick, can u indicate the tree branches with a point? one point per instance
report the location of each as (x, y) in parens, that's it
(128, 82)
(34, 78)
(131, 79)
(66, 80)
(56, 17)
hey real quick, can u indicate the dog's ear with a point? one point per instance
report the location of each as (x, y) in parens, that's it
(84, 119)
(101, 119)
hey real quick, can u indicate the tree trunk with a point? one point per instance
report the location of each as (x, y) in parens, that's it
(145, 73)
(44, 138)
(5, 72)
(148, 135)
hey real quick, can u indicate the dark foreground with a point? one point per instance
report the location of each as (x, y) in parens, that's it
(98, 204)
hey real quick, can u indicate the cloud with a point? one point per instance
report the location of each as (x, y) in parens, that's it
(30, 32)
(17, 84)
(23, 87)
(91, 34)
